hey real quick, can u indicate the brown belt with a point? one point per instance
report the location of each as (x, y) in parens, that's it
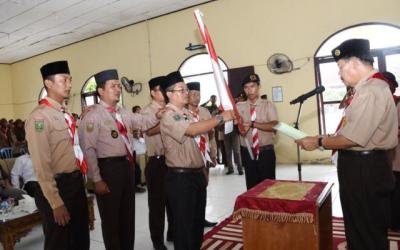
(185, 170)
(108, 159)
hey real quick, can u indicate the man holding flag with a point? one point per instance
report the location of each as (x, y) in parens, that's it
(186, 159)
(259, 117)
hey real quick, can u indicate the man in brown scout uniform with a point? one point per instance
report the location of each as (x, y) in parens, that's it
(156, 171)
(186, 177)
(57, 159)
(200, 114)
(370, 130)
(259, 116)
(106, 133)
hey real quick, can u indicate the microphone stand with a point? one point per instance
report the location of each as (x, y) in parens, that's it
(296, 126)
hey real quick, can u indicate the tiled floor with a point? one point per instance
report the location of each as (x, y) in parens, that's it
(222, 192)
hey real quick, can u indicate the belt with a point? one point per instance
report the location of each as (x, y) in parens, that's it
(76, 173)
(362, 153)
(265, 147)
(157, 157)
(185, 170)
(117, 158)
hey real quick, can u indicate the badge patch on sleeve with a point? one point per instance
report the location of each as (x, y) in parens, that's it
(177, 117)
(39, 125)
(89, 126)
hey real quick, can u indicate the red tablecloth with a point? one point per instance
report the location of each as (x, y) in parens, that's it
(280, 201)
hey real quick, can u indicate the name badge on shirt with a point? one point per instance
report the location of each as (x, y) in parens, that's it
(114, 134)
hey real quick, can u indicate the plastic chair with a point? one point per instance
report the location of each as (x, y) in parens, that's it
(6, 153)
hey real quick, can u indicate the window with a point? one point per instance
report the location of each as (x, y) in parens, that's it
(89, 94)
(42, 93)
(385, 48)
(197, 68)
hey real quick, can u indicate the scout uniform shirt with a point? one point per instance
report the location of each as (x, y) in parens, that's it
(371, 118)
(100, 137)
(265, 112)
(204, 114)
(396, 160)
(180, 150)
(153, 143)
(51, 148)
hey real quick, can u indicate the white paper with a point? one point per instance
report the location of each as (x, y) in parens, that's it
(290, 131)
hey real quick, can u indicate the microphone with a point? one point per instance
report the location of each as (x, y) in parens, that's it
(302, 98)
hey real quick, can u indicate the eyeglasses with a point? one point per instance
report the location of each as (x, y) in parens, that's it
(180, 90)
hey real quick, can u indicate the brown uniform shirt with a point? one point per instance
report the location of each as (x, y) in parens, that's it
(100, 137)
(51, 148)
(180, 149)
(396, 160)
(371, 118)
(265, 112)
(153, 143)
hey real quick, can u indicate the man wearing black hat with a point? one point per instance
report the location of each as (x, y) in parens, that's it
(200, 114)
(186, 178)
(259, 116)
(369, 130)
(58, 163)
(106, 135)
(156, 171)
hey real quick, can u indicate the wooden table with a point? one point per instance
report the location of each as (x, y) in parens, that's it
(11, 231)
(271, 222)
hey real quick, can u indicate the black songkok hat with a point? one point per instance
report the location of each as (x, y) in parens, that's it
(105, 75)
(193, 86)
(354, 47)
(391, 79)
(154, 82)
(171, 79)
(53, 68)
(251, 78)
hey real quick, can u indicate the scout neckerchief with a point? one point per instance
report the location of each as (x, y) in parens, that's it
(201, 141)
(254, 133)
(123, 131)
(71, 123)
(348, 101)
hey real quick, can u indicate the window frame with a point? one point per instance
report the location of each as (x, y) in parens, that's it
(380, 54)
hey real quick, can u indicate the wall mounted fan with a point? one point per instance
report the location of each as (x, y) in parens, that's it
(130, 86)
(279, 63)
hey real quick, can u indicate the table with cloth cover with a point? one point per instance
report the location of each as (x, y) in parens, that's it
(280, 214)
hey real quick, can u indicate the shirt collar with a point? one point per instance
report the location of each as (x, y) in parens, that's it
(364, 80)
(56, 104)
(254, 104)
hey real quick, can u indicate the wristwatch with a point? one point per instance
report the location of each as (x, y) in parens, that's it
(320, 142)
(220, 119)
(252, 125)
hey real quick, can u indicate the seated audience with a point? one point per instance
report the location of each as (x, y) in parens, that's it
(23, 175)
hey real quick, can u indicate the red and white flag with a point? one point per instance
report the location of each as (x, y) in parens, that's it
(225, 95)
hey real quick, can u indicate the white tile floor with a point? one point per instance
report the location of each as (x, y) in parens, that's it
(222, 193)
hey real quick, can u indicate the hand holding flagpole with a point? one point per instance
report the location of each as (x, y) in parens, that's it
(227, 101)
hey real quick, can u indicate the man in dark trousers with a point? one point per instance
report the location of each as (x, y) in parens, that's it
(58, 162)
(156, 170)
(106, 135)
(259, 116)
(369, 130)
(186, 177)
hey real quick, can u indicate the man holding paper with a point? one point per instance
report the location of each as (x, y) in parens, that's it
(368, 131)
(259, 117)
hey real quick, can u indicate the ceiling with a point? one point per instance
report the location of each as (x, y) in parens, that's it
(32, 27)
